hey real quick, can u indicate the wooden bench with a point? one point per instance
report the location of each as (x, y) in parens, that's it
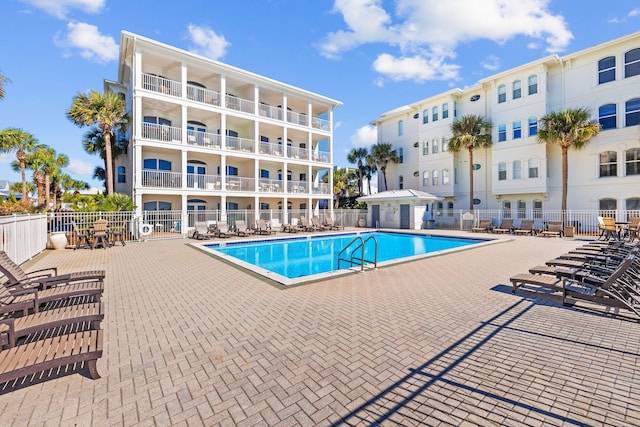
(50, 353)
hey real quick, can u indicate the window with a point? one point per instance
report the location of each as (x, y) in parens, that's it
(517, 129)
(434, 146)
(533, 126)
(156, 206)
(264, 206)
(426, 178)
(517, 89)
(445, 110)
(517, 169)
(156, 164)
(632, 63)
(632, 109)
(502, 133)
(434, 114)
(445, 176)
(289, 175)
(608, 163)
(632, 161)
(632, 204)
(502, 94)
(425, 148)
(521, 206)
(502, 171)
(608, 205)
(449, 208)
(231, 171)
(537, 208)
(400, 182)
(122, 176)
(606, 69)
(303, 177)
(401, 155)
(435, 179)
(506, 209)
(425, 115)
(533, 168)
(264, 173)
(445, 144)
(607, 116)
(533, 85)
(400, 128)
(439, 209)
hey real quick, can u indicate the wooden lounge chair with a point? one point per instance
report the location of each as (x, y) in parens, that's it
(526, 227)
(303, 224)
(202, 231)
(328, 222)
(54, 352)
(545, 281)
(241, 229)
(34, 297)
(263, 227)
(485, 225)
(554, 229)
(221, 229)
(505, 226)
(100, 234)
(45, 277)
(316, 226)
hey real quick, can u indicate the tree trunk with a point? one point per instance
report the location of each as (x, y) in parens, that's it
(471, 179)
(23, 169)
(47, 191)
(565, 180)
(108, 173)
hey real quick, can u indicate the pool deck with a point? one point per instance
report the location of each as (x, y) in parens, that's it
(190, 340)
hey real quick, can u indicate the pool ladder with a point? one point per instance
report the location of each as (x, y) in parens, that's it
(359, 246)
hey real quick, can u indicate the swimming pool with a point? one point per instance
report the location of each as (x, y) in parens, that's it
(294, 260)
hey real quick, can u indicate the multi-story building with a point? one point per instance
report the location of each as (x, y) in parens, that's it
(209, 136)
(517, 173)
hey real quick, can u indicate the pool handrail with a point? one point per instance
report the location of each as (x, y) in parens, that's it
(359, 261)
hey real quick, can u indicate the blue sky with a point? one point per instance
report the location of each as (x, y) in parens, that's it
(373, 55)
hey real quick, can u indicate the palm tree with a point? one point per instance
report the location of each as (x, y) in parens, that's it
(67, 183)
(3, 80)
(341, 178)
(470, 132)
(108, 112)
(13, 139)
(367, 172)
(52, 164)
(381, 155)
(357, 156)
(568, 128)
(93, 143)
(36, 160)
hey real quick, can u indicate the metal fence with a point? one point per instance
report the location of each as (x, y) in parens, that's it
(23, 236)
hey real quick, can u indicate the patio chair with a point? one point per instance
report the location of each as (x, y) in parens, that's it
(485, 225)
(241, 229)
(607, 227)
(328, 222)
(81, 237)
(221, 229)
(526, 227)
(554, 229)
(505, 227)
(45, 277)
(100, 234)
(117, 232)
(303, 224)
(202, 231)
(263, 227)
(316, 226)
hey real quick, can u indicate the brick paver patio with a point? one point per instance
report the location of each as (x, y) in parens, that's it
(193, 341)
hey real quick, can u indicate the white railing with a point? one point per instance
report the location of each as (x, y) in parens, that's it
(298, 187)
(321, 188)
(240, 104)
(239, 144)
(270, 185)
(237, 183)
(162, 133)
(23, 236)
(161, 179)
(271, 149)
(297, 118)
(161, 85)
(203, 182)
(297, 153)
(269, 111)
(203, 139)
(319, 123)
(321, 156)
(203, 95)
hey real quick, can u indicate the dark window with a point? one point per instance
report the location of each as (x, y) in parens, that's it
(632, 63)
(434, 114)
(607, 116)
(502, 133)
(425, 116)
(517, 89)
(502, 171)
(608, 163)
(607, 69)
(633, 161)
(264, 173)
(445, 110)
(533, 85)
(122, 176)
(533, 126)
(517, 129)
(632, 109)
(608, 205)
(502, 94)
(156, 164)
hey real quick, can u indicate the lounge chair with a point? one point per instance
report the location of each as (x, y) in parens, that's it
(54, 352)
(221, 229)
(44, 278)
(34, 298)
(554, 229)
(263, 227)
(288, 228)
(241, 229)
(505, 226)
(541, 280)
(203, 231)
(526, 227)
(328, 222)
(607, 227)
(485, 225)
(304, 225)
(316, 226)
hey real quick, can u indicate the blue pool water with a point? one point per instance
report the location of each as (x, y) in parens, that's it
(311, 255)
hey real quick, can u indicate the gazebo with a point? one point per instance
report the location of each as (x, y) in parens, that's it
(404, 209)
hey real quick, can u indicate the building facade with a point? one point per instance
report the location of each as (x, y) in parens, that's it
(208, 136)
(517, 173)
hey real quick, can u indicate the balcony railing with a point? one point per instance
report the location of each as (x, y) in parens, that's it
(203, 182)
(297, 187)
(270, 185)
(200, 94)
(237, 183)
(319, 123)
(320, 156)
(297, 153)
(162, 133)
(203, 139)
(297, 118)
(161, 179)
(239, 144)
(244, 105)
(270, 111)
(161, 85)
(271, 149)
(322, 188)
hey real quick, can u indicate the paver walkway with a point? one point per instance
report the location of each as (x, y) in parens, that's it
(193, 341)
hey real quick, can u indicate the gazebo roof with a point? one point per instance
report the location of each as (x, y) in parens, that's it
(408, 194)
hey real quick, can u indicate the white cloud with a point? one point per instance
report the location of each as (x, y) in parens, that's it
(87, 39)
(206, 42)
(60, 8)
(427, 32)
(491, 63)
(365, 136)
(632, 14)
(78, 167)
(7, 157)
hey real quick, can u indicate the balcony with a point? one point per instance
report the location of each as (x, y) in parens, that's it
(161, 179)
(297, 153)
(161, 85)
(321, 188)
(238, 183)
(270, 149)
(239, 144)
(297, 118)
(204, 182)
(203, 95)
(203, 139)
(270, 112)
(297, 187)
(319, 123)
(239, 104)
(320, 156)
(270, 185)
(162, 133)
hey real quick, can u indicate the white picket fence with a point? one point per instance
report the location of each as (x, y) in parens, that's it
(23, 236)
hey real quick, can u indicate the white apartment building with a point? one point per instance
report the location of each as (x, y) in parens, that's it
(209, 136)
(517, 173)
